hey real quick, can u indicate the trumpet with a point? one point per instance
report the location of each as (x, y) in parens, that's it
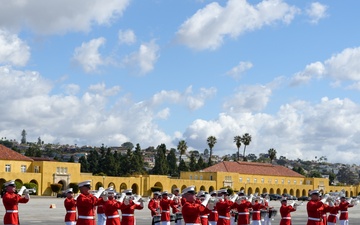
(24, 190)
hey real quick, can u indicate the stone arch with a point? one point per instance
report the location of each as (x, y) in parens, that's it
(183, 187)
(211, 188)
(304, 192)
(202, 188)
(63, 183)
(298, 193)
(351, 193)
(123, 187)
(285, 191)
(34, 182)
(112, 184)
(249, 191)
(242, 189)
(331, 190)
(159, 185)
(173, 188)
(257, 190)
(271, 191)
(98, 185)
(347, 193)
(264, 190)
(278, 191)
(135, 188)
(291, 192)
(19, 181)
(336, 191)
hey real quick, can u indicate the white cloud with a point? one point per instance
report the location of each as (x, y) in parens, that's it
(71, 89)
(102, 90)
(238, 70)
(59, 16)
(127, 37)
(208, 27)
(13, 50)
(316, 11)
(299, 129)
(163, 114)
(88, 55)
(316, 69)
(143, 61)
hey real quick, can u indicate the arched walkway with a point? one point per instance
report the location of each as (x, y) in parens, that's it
(111, 184)
(304, 192)
(159, 185)
(173, 188)
(19, 182)
(257, 190)
(99, 185)
(135, 188)
(291, 192)
(278, 191)
(264, 190)
(202, 188)
(298, 193)
(211, 189)
(123, 187)
(285, 191)
(249, 191)
(63, 183)
(271, 191)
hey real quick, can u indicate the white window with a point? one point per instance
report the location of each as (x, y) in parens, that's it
(240, 179)
(7, 168)
(255, 180)
(276, 181)
(294, 181)
(190, 177)
(262, 180)
(201, 177)
(248, 180)
(23, 168)
(65, 170)
(269, 181)
(36, 169)
(195, 177)
(301, 182)
(57, 169)
(282, 181)
(289, 181)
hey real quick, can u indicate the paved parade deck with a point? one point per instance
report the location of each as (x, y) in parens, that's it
(38, 211)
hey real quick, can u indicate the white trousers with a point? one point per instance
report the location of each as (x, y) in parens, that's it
(344, 222)
(232, 221)
(329, 223)
(70, 223)
(266, 221)
(179, 222)
(101, 219)
(256, 222)
(165, 223)
(212, 222)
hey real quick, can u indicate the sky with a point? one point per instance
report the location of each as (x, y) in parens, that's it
(159, 71)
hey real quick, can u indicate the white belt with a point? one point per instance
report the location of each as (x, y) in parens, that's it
(127, 214)
(286, 218)
(192, 224)
(224, 217)
(165, 211)
(214, 211)
(86, 217)
(71, 211)
(114, 216)
(332, 214)
(256, 211)
(315, 219)
(343, 211)
(203, 216)
(243, 213)
(12, 211)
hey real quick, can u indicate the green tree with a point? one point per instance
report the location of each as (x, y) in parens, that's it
(72, 159)
(39, 142)
(201, 164)
(272, 154)
(211, 141)
(84, 165)
(299, 170)
(161, 166)
(182, 147)
(110, 167)
(23, 136)
(183, 166)
(347, 176)
(138, 160)
(314, 173)
(246, 139)
(192, 164)
(128, 145)
(93, 160)
(171, 159)
(237, 140)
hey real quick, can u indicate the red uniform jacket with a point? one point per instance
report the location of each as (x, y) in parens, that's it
(70, 207)
(223, 207)
(256, 210)
(285, 211)
(243, 211)
(165, 205)
(333, 214)
(153, 205)
(100, 206)
(86, 209)
(191, 212)
(10, 201)
(127, 212)
(213, 216)
(344, 210)
(314, 211)
(111, 207)
(176, 206)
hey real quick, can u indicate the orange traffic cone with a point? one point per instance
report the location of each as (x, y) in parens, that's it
(52, 206)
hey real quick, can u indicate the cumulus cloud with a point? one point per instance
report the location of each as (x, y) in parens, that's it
(208, 27)
(13, 51)
(59, 16)
(143, 61)
(342, 66)
(88, 55)
(238, 70)
(316, 11)
(127, 37)
(297, 130)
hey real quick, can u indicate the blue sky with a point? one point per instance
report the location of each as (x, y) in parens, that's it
(158, 71)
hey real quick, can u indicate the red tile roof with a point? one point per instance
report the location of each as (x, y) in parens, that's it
(9, 154)
(252, 168)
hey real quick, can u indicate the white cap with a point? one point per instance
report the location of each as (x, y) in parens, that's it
(176, 189)
(10, 183)
(110, 190)
(128, 192)
(201, 193)
(156, 193)
(284, 198)
(69, 190)
(223, 191)
(213, 193)
(241, 192)
(314, 192)
(164, 193)
(85, 183)
(189, 189)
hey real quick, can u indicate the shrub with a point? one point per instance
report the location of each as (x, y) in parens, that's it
(75, 187)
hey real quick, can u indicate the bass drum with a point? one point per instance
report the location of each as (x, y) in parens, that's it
(272, 213)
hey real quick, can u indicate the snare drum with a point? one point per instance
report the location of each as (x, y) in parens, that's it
(172, 217)
(272, 213)
(157, 219)
(263, 213)
(179, 216)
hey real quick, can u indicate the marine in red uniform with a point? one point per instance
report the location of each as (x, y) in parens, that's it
(242, 206)
(70, 207)
(213, 215)
(256, 206)
(333, 214)
(154, 206)
(111, 207)
(314, 209)
(191, 210)
(203, 215)
(86, 203)
(165, 205)
(344, 214)
(285, 211)
(177, 207)
(128, 207)
(11, 201)
(223, 207)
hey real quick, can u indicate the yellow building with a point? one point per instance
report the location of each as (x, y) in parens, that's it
(251, 177)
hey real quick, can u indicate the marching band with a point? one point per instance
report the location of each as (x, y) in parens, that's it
(189, 207)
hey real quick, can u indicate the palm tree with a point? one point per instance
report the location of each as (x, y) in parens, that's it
(272, 154)
(237, 140)
(182, 147)
(211, 141)
(246, 139)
